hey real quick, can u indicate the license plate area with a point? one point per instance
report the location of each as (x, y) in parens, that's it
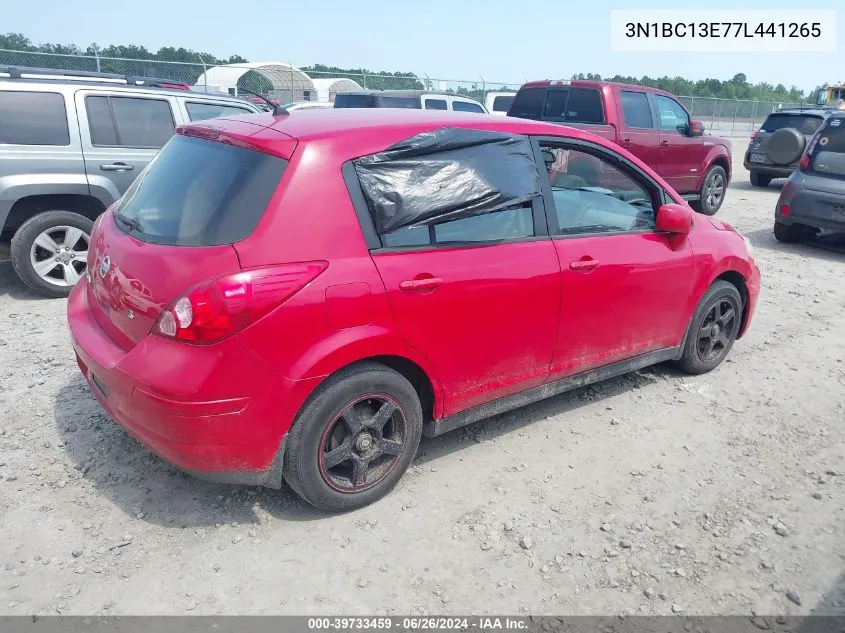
(758, 158)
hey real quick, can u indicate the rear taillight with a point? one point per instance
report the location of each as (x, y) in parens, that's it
(805, 161)
(754, 135)
(220, 307)
(785, 209)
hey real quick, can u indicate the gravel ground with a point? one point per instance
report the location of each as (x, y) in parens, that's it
(653, 493)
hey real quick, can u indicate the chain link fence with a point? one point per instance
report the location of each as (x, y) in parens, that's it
(728, 117)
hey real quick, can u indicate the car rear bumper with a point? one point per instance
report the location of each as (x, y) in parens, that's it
(775, 171)
(815, 208)
(169, 397)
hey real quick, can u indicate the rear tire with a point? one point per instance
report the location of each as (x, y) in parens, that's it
(31, 259)
(714, 187)
(713, 329)
(365, 414)
(759, 180)
(789, 233)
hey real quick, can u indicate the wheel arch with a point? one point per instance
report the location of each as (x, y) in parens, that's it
(717, 156)
(30, 206)
(736, 279)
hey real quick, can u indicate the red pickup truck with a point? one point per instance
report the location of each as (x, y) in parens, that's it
(650, 123)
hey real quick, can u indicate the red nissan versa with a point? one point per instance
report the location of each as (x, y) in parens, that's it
(302, 297)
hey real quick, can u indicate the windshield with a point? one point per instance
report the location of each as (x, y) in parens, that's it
(828, 152)
(199, 193)
(804, 123)
(375, 101)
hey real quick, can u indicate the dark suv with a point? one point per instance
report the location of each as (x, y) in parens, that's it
(776, 148)
(814, 197)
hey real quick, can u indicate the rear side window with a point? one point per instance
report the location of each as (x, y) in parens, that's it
(200, 111)
(436, 104)
(828, 151)
(200, 193)
(805, 124)
(570, 105)
(672, 116)
(33, 118)
(528, 103)
(635, 109)
(129, 121)
(465, 106)
(502, 103)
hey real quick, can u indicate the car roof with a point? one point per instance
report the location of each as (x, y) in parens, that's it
(358, 125)
(405, 93)
(59, 85)
(818, 112)
(589, 83)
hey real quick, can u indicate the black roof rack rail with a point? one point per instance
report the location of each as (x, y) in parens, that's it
(24, 72)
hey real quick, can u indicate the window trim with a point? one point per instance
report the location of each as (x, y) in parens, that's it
(651, 110)
(200, 102)
(66, 119)
(659, 196)
(376, 246)
(108, 98)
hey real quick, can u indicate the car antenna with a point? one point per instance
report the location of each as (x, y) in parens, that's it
(275, 109)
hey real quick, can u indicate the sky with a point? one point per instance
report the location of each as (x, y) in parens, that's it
(497, 40)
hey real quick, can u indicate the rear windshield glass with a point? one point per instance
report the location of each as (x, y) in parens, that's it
(570, 105)
(199, 193)
(375, 101)
(502, 103)
(828, 155)
(803, 123)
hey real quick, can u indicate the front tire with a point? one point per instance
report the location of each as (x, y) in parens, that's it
(713, 190)
(354, 438)
(713, 329)
(759, 180)
(50, 250)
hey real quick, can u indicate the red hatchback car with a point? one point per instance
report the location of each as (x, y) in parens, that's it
(302, 297)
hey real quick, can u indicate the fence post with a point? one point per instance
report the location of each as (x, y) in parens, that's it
(692, 107)
(96, 56)
(754, 116)
(736, 109)
(364, 79)
(204, 73)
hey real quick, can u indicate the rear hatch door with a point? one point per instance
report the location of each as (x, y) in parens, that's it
(174, 228)
(807, 124)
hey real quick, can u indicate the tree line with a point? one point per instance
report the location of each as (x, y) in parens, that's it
(143, 61)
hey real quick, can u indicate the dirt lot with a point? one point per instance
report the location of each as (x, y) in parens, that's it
(653, 493)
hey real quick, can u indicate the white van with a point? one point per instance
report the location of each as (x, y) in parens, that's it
(499, 102)
(413, 99)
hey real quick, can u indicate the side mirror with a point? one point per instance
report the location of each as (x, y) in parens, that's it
(674, 219)
(696, 128)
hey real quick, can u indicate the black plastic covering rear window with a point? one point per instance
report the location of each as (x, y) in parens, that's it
(199, 193)
(445, 175)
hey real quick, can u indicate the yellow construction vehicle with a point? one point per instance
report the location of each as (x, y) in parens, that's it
(832, 96)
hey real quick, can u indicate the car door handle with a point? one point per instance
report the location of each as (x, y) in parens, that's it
(415, 285)
(626, 143)
(665, 143)
(116, 167)
(584, 265)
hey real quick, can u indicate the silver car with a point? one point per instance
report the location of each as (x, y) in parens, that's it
(70, 145)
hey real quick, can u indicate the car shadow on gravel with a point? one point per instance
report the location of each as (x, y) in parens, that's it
(144, 486)
(744, 185)
(827, 246)
(13, 287)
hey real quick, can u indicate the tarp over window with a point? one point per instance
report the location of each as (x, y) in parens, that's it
(445, 175)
